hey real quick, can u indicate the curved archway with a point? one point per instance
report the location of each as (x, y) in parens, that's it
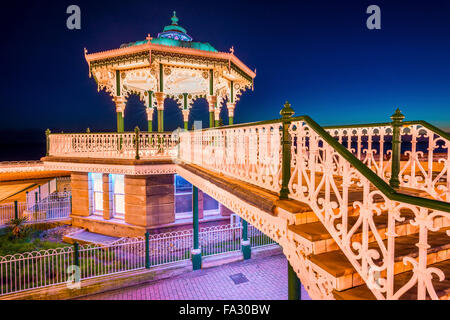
(173, 117)
(135, 114)
(199, 112)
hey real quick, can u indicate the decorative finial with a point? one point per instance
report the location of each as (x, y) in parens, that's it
(85, 51)
(287, 111)
(232, 49)
(149, 38)
(397, 116)
(88, 130)
(174, 18)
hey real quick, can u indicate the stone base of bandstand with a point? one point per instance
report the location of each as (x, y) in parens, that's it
(149, 202)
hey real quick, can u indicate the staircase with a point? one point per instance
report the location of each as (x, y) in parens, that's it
(372, 221)
(327, 255)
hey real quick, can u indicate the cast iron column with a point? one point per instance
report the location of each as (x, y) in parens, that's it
(196, 251)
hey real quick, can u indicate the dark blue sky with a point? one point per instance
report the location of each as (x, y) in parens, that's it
(318, 54)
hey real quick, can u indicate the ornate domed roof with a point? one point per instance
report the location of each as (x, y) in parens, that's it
(174, 31)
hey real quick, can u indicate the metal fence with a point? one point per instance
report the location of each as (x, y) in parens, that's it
(32, 270)
(220, 239)
(55, 207)
(258, 239)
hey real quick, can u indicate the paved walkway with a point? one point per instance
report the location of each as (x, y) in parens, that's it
(267, 280)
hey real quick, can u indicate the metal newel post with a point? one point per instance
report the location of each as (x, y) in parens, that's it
(294, 285)
(70, 204)
(286, 114)
(196, 251)
(136, 138)
(147, 250)
(16, 210)
(245, 243)
(76, 254)
(47, 139)
(397, 119)
(36, 202)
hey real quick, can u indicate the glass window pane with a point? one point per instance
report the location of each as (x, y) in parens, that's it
(182, 185)
(98, 201)
(119, 203)
(119, 185)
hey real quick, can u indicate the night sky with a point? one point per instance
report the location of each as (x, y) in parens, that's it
(318, 54)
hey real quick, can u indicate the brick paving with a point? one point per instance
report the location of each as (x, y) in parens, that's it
(267, 280)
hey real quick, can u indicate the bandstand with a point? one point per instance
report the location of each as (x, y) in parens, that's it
(171, 66)
(125, 183)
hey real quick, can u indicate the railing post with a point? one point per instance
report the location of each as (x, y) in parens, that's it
(16, 210)
(147, 250)
(286, 114)
(47, 139)
(70, 204)
(136, 141)
(76, 254)
(36, 202)
(245, 243)
(196, 251)
(397, 119)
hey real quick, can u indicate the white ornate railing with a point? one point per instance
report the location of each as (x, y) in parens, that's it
(426, 162)
(248, 153)
(327, 177)
(112, 145)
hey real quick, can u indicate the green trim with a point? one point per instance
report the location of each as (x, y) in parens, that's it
(230, 120)
(118, 83)
(361, 125)
(161, 78)
(160, 120)
(185, 102)
(232, 92)
(429, 126)
(147, 250)
(385, 188)
(211, 119)
(150, 126)
(120, 122)
(211, 82)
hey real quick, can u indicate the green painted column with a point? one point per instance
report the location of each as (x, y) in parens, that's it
(286, 114)
(160, 120)
(245, 243)
(76, 254)
(230, 120)
(150, 125)
(120, 124)
(150, 122)
(294, 285)
(147, 250)
(211, 119)
(16, 210)
(196, 251)
(185, 108)
(397, 119)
